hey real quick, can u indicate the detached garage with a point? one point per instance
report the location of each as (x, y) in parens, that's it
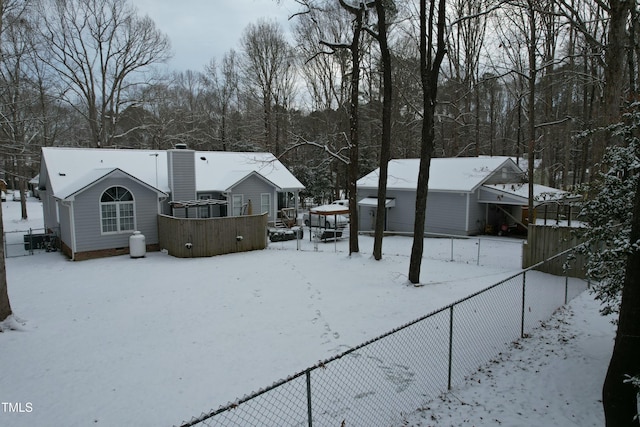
(467, 196)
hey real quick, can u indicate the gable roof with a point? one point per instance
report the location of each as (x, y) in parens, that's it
(94, 176)
(234, 178)
(221, 170)
(462, 174)
(72, 167)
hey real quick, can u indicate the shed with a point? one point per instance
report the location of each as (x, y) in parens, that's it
(467, 195)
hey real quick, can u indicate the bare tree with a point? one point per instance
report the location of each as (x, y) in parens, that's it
(610, 52)
(284, 99)
(224, 81)
(531, 100)
(381, 35)
(100, 49)
(327, 81)
(359, 14)
(325, 75)
(354, 141)
(266, 59)
(464, 47)
(5, 305)
(19, 126)
(432, 52)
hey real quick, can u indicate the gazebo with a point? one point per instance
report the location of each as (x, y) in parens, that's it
(323, 212)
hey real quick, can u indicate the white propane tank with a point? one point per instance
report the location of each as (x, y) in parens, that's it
(137, 245)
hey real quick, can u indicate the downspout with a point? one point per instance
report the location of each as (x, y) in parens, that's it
(467, 215)
(161, 200)
(486, 216)
(72, 227)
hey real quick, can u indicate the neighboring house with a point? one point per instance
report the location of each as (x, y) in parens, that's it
(98, 197)
(467, 195)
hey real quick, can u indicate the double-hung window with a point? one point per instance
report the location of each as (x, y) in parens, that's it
(117, 211)
(237, 204)
(265, 203)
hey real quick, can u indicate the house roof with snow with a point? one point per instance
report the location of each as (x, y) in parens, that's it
(541, 193)
(94, 176)
(70, 169)
(461, 174)
(498, 175)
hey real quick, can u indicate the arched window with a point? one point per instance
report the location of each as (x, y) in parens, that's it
(117, 210)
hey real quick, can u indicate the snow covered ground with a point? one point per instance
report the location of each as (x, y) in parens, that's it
(154, 341)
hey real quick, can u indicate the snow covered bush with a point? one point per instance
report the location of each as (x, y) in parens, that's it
(607, 213)
(636, 383)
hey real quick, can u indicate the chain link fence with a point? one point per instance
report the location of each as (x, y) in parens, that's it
(478, 250)
(29, 242)
(380, 381)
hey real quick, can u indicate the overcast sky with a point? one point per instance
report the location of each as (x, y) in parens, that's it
(200, 30)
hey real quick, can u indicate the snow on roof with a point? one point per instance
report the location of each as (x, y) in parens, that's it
(89, 178)
(72, 166)
(219, 170)
(329, 209)
(446, 174)
(541, 193)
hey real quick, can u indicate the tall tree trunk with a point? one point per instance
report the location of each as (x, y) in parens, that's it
(619, 398)
(385, 143)
(23, 198)
(5, 306)
(532, 104)
(353, 171)
(429, 72)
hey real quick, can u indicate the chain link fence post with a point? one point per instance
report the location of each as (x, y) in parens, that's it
(524, 289)
(30, 242)
(451, 250)
(450, 347)
(309, 412)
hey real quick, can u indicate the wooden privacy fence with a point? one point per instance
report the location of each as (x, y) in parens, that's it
(544, 242)
(202, 237)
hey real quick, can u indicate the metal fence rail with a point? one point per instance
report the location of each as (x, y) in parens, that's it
(478, 250)
(378, 381)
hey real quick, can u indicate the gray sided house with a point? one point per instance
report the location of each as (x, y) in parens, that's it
(467, 196)
(97, 198)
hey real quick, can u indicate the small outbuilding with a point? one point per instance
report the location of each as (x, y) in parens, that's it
(467, 196)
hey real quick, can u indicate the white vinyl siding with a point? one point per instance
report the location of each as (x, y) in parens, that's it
(252, 189)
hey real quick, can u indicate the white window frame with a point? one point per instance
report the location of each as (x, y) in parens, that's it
(237, 202)
(119, 219)
(265, 207)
